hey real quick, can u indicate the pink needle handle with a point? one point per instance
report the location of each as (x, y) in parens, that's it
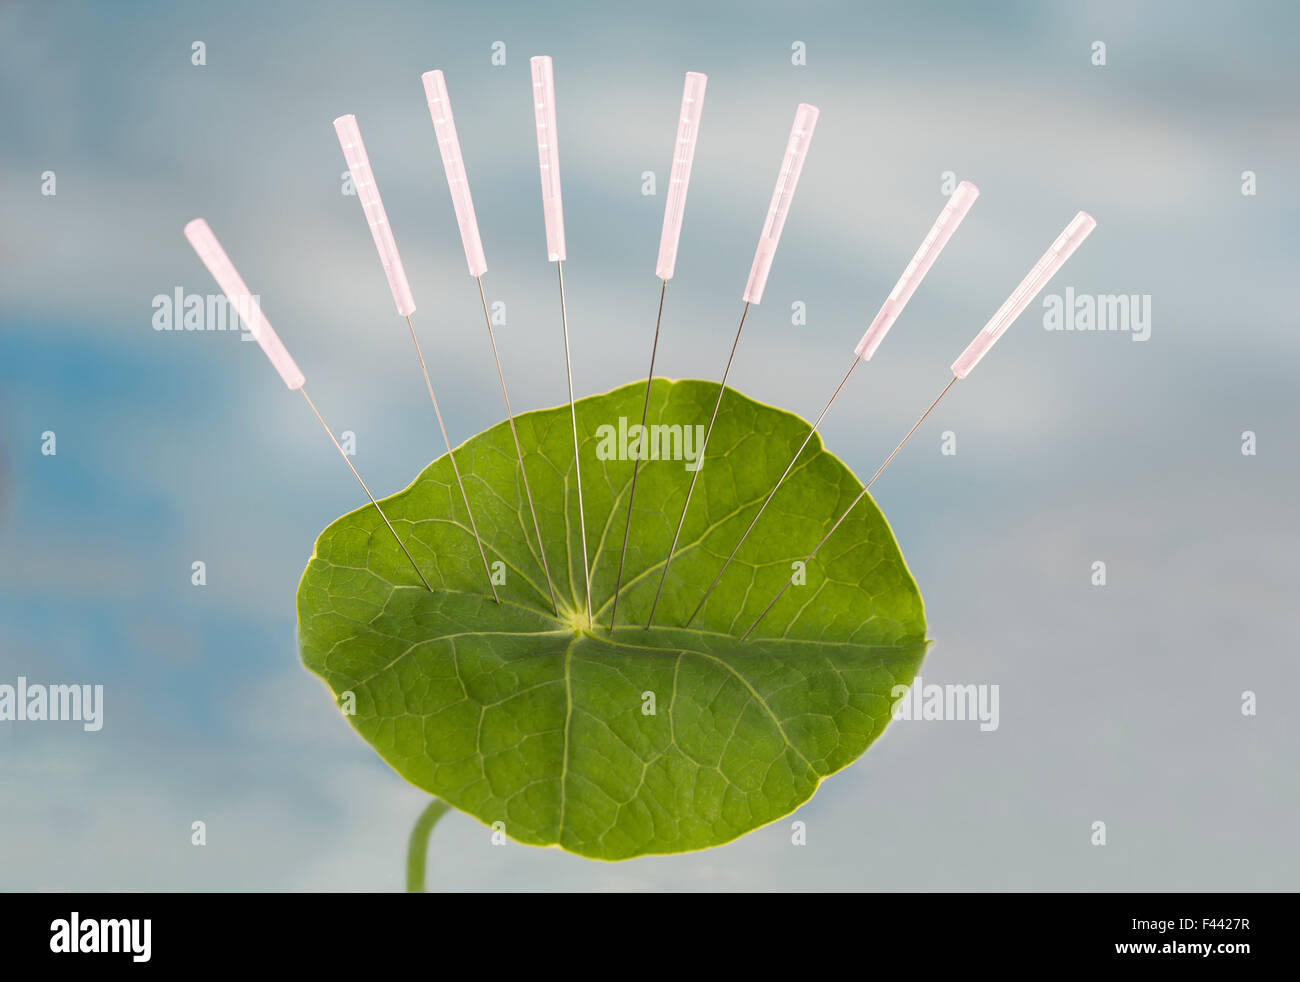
(250, 312)
(959, 203)
(688, 129)
(1061, 250)
(444, 127)
(805, 120)
(363, 178)
(548, 155)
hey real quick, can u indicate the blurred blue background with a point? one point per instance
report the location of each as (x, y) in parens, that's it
(1118, 704)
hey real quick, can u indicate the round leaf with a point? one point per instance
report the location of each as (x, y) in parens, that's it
(613, 745)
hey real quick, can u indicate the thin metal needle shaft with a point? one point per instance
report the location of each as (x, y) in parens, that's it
(636, 463)
(577, 466)
(772, 493)
(541, 545)
(343, 454)
(722, 387)
(879, 471)
(452, 457)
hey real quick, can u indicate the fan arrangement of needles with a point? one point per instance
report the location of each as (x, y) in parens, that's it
(590, 649)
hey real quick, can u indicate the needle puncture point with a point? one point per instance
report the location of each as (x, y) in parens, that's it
(787, 179)
(358, 161)
(214, 257)
(1063, 248)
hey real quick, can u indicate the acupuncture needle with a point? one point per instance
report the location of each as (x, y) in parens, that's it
(1066, 243)
(363, 179)
(453, 163)
(688, 129)
(959, 204)
(214, 257)
(796, 150)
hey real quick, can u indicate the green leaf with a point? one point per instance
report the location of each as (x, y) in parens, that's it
(516, 716)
